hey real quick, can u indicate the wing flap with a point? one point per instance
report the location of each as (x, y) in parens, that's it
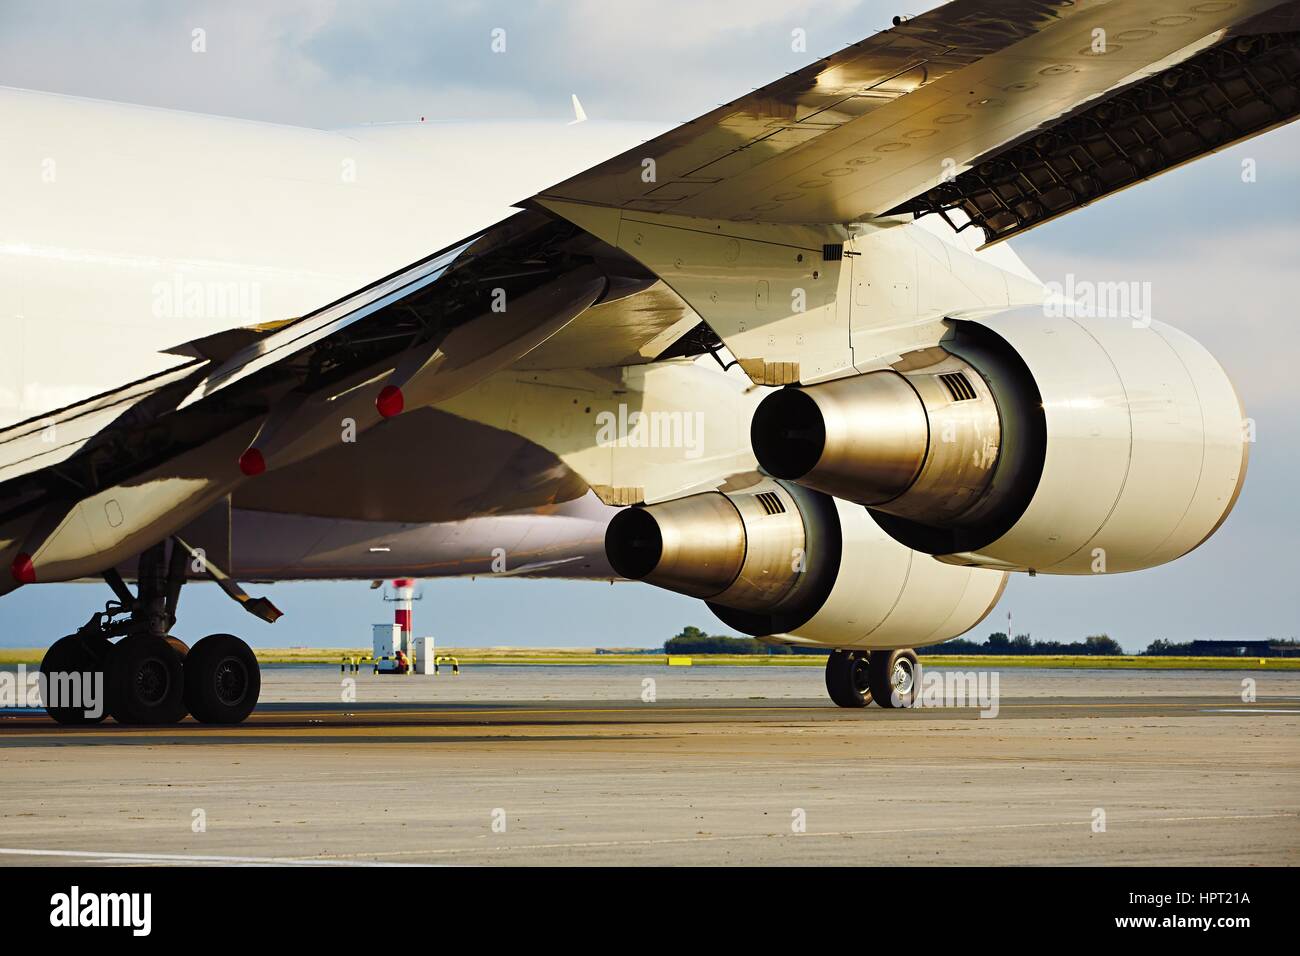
(1237, 88)
(53, 438)
(277, 346)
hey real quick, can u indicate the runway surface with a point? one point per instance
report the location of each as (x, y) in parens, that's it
(533, 765)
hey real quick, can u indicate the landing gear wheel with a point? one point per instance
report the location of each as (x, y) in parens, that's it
(145, 681)
(75, 654)
(846, 678)
(222, 680)
(895, 677)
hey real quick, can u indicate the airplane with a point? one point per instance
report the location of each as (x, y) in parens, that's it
(780, 358)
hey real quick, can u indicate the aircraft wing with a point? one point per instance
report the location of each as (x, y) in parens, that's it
(48, 440)
(281, 343)
(216, 363)
(1012, 111)
(1006, 112)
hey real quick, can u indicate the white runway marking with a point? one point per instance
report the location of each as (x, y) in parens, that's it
(1249, 710)
(186, 858)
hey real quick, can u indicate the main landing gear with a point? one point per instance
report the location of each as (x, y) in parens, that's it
(890, 678)
(149, 676)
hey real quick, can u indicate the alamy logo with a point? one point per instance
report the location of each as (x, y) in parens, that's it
(183, 298)
(651, 430)
(72, 690)
(1084, 299)
(960, 689)
(74, 908)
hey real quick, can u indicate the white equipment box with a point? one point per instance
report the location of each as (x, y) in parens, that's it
(425, 656)
(387, 640)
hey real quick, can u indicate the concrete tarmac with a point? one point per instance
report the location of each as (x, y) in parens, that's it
(576, 765)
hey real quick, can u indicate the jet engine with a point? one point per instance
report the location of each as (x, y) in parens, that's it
(770, 557)
(1060, 445)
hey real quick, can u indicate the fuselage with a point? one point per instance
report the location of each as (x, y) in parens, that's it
(130, 230)
(566, 540)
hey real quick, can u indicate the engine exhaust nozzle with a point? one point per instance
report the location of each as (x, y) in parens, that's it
(692, 545)
(863, 438)
(742, 549)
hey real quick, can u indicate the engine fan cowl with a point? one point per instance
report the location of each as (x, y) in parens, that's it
(1026, 442)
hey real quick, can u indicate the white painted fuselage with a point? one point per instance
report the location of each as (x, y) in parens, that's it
(128, 231)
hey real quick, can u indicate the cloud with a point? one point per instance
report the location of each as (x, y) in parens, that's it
(1233, 291)
(331, 64)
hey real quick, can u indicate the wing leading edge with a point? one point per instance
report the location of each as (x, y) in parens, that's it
(892, 124)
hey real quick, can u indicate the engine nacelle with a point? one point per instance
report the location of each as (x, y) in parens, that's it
(1024, 442)
(773, 558)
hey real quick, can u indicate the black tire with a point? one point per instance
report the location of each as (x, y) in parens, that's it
(145, 681)
(847, 678)
(895, 677)
(222, 680)
(76, 655)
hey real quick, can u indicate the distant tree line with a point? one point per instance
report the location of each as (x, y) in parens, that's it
(1223, 648)
(999, 643)
(692, 640)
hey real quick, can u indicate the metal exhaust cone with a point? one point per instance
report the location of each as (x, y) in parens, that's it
(694, 545)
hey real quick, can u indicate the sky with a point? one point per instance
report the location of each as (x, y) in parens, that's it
(1222, 256)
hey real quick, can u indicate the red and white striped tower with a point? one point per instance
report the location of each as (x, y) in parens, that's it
(404, 595)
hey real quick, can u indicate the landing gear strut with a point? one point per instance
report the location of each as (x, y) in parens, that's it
(856, 678)
(149, 676)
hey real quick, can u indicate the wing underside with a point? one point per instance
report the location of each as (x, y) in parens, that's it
(1013, 112)
(1243, 85)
